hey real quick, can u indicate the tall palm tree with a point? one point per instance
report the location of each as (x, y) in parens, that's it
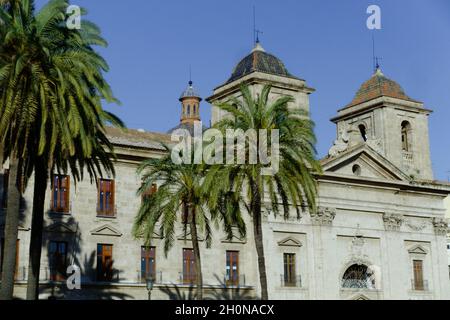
(293, 186)
(52, 87)
(180, 197)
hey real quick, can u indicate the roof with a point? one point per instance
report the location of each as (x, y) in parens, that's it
(377, 86)
(137, 138)
(259, 61)
(189, 126)
(190, 92)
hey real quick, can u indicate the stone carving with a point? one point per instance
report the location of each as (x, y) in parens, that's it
(392, 222)
(440, 226)
(357, 248)
(323, 216)
(415, 226)
(339, 145)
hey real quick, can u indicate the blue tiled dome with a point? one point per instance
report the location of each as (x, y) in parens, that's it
(189, 92)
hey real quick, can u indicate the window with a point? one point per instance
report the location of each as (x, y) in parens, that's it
(2, 255)
(358, 276)
(5, 188)
(104, 262)
(189, 110)
(363, 131)
(418, 275)
(406, 136)
(148, 268)
(189, 269)
(289, 270)
(57, 260)
(232, 271)
(106, 198)
(150, 191)
(60, 194)
(356, 169)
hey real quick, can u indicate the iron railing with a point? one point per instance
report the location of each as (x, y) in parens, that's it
(292, 282)
(419, 285)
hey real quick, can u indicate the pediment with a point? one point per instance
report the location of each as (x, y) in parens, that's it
(417, 249)
(360, 297)
(290, 242)
(106, 230)
(367, 162)
(234, 239)
(60, 227)
(186, 236)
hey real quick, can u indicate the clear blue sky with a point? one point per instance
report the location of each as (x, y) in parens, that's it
(326, 42)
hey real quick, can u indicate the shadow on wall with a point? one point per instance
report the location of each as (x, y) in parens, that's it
(221, 292)
(62, 237)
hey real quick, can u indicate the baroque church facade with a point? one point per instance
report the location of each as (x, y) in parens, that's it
(380, 231)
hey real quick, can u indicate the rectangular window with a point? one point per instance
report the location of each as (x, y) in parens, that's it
(2, 255)
(148, 267)
(150, 191)
(289, 270)
(60, 193)
(57, 260)
(232, 271)
(418, 275)
(189, 269)
(106, 198)
(104, 262)
(5, 188)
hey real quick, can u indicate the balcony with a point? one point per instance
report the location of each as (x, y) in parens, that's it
(293, 282)
(238, 281)
(419, 285)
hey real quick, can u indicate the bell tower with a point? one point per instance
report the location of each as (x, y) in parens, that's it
(190, 105)
(393, 124)
(256, 70)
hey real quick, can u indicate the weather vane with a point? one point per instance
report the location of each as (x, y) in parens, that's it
(256, 32)
(376, 59)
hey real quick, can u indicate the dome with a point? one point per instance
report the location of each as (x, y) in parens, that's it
(190, 92)
(259, 61)
(378, 86)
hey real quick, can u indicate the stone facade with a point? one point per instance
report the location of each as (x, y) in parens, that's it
(374, 226)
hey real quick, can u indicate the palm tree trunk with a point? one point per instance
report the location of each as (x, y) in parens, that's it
(259, 244)
(37, 224)
(198, 264)
(11, 232)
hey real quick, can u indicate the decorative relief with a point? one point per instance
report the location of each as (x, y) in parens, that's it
(323, 216)
(357, 254)
(392, 222)
(440, 226)
(415, 225)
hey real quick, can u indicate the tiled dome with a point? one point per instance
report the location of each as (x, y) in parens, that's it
(377, 86)
(259, 61)
(190, 92)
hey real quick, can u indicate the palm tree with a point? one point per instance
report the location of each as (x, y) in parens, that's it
(52, 86)
(292, 186)
(182, 197)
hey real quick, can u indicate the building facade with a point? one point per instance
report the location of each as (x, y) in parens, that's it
(379, 232)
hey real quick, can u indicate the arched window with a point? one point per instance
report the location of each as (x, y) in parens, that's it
(358, 276)
(189, 110)
(195, 109)
(406, 136)
(363, 131)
